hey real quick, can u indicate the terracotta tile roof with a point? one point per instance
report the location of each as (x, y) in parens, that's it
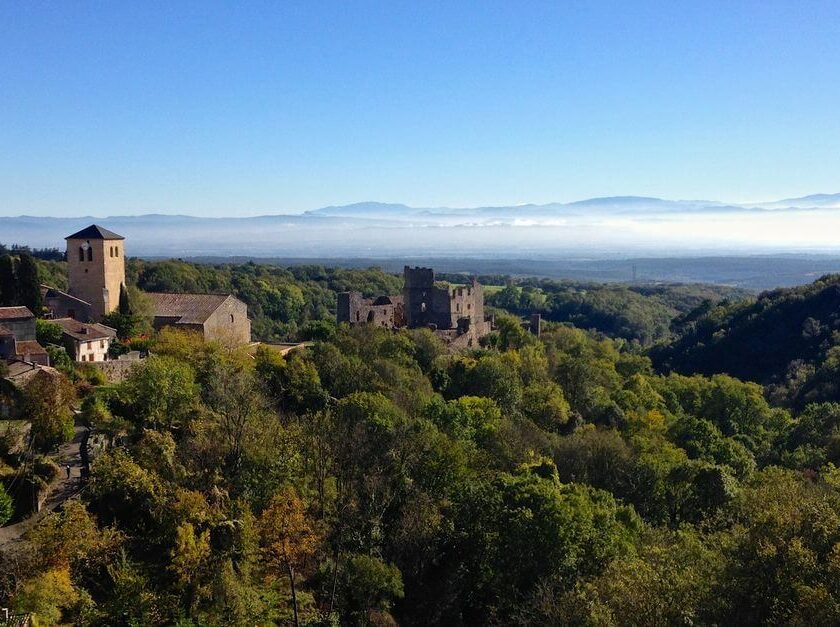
(94, 231)
(84, 332)
(15, 313)
(29, 347)
(186, 308)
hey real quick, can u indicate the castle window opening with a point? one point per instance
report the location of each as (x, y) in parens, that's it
(90, 254)
(370, 316)
(231, 318)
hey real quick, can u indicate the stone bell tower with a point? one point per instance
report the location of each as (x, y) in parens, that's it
(96, 264)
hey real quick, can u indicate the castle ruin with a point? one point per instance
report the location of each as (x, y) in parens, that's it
(454, 313)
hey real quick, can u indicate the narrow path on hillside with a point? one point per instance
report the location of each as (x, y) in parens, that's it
(69, 454)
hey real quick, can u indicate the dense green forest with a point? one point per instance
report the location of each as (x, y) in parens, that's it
(376, 478)
(641, 313)
(786, 339)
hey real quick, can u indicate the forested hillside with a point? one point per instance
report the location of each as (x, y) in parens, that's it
(788, 339)
(285, 302)
(374, 477)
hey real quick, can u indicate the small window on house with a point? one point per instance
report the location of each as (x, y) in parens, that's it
(116, 251)
(101, 343)
(90, 254)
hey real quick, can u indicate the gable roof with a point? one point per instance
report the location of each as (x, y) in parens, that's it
(52, 292)
(29, 347)
(84, 332)
(186, 308)
(15, 313)
(21, 372)
(94, 231)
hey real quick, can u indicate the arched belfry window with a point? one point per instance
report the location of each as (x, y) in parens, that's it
(90, 254)
(81, 253)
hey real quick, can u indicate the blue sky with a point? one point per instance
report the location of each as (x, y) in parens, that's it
(247, 108)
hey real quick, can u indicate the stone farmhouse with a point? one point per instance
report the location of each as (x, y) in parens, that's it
(219, 317)
(454, 313)
(96, 269)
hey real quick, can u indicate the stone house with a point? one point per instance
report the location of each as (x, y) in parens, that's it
(17, 336)
(86, 342)
(63, 305)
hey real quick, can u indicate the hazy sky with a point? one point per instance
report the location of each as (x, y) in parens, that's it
(243, 108)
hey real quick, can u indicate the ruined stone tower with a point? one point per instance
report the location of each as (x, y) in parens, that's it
(418, 294)
(96, 264)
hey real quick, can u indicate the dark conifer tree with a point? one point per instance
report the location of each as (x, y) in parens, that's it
(29, 287)
(8, 283)
(124, 306)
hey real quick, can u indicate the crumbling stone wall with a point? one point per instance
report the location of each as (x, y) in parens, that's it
(385, 311)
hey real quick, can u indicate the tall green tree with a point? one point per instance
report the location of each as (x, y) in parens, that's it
(29, 287)
(8, 282)
(47, 402)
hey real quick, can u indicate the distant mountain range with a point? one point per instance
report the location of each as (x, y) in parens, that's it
(614, 205)
(619, 225)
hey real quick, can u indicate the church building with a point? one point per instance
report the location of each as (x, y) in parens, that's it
(96, 272)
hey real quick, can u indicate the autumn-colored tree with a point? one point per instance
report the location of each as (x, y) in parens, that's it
(287, 537)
